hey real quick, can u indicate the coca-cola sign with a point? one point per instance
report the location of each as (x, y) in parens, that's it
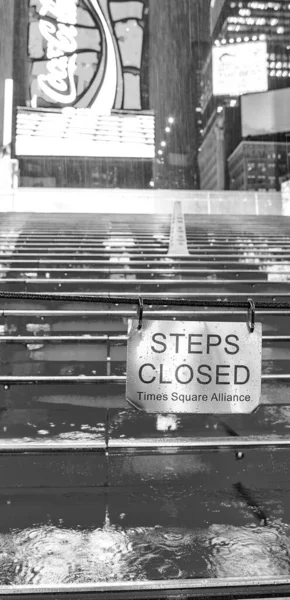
(86, 53)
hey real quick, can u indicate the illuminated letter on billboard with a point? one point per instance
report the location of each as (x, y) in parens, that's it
(86, 53)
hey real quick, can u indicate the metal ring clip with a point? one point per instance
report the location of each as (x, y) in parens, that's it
(251, 315)
(140, 312)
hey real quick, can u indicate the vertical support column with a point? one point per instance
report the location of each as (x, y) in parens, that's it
(178, 240)
(256, 203)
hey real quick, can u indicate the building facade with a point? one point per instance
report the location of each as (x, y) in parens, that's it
(222, 136)
(211, 158)
(259, 165)
(250, 52)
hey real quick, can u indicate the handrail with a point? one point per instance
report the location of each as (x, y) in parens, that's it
(234, 588)
(87, 379)
(85, 337)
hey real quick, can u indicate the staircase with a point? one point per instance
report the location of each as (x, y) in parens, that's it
(98, 499)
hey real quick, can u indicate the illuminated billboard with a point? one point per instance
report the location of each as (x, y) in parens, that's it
(240, 69)
(266, 113)
(88, 81)
(86, 53)
(82, 132)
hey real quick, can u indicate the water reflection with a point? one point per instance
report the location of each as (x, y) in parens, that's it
(249, 552)
(124, 258)
(50, 554)
(278, 272)
(277, 416)
(118, 242)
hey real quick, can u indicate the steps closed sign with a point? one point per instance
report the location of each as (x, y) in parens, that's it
(194, 367)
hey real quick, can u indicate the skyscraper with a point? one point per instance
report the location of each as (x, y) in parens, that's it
(250, 52)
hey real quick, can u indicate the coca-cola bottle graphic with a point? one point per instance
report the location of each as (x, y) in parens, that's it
(85, 54)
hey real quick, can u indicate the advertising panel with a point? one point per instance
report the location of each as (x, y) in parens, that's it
(81, 132)
(88, 82)
(86, 53)
(266, 113)
(240, 69)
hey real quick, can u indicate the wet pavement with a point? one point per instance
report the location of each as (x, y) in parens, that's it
(49, 546)
(90, 490)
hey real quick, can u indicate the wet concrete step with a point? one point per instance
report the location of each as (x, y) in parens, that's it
(94, 349)
(207, 470)
(131, 285)
(131, 535)
(22, 319)
(71, 414)
(106, 261)
(10, 275)
(68, 440)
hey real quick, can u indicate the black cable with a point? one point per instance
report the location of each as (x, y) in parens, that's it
(154, 301)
